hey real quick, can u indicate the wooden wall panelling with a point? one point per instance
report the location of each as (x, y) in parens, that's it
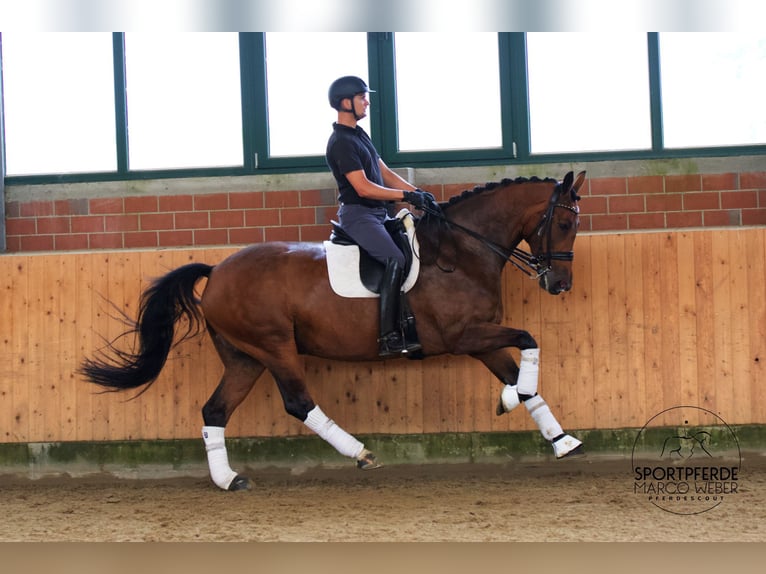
(342, 378)
(378, 399)
(687, 327)
(653, 323)
(603, 391)
(756, 280)
(102, 317)
(66, 293)
(741, 363)
(395, 405)
(704, 314)
(22, 389)
(615, 309)
(484, 389)
(580, 378)
(654, 320)
(636, 384)
(670, 356)
(566, 359)
(87, 341)
(8, 349)
(14, 333)
(445, 395)
(722, 350)
(413, 393)
(40, 347)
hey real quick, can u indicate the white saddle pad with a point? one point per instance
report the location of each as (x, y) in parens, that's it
(343, 263)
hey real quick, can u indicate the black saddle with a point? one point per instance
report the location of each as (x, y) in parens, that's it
(370, 269)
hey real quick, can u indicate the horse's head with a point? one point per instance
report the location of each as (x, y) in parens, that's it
(552, 240)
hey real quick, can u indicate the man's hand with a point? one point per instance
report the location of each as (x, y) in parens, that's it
(422, 200)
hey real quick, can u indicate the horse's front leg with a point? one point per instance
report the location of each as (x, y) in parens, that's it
(502, 364)
(481, 338)
(521, 384)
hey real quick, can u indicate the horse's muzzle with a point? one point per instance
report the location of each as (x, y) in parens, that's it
(555, 285)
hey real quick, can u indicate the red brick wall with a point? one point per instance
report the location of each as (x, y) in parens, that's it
(674, 201)
(169, 220)
(609, 204)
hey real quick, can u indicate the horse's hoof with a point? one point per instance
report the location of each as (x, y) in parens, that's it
(367, 461)
(240, 483)
(500, 410)
(568, 447)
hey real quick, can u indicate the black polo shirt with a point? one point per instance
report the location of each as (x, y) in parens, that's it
(350, 149)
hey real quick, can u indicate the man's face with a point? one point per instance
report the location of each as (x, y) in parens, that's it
(361, 103)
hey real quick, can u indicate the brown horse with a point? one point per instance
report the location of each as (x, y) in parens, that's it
(270, 303)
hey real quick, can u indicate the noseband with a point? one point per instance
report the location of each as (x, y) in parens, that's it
(541, 265)
(534, 266)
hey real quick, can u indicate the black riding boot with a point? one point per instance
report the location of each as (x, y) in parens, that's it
(392, 341)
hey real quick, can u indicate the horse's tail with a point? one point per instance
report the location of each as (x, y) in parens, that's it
(167, 300)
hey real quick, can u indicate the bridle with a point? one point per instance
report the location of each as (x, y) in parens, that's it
(534, 266)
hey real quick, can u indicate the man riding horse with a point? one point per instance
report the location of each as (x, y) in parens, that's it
(367, 188)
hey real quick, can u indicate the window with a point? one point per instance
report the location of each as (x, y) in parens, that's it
(588, 92)
(184, 102)
(447, 91)
(101, 106)
(58, 92)
(300, 69)
(713, 88)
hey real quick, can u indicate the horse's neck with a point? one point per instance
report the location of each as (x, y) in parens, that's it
(502, 215)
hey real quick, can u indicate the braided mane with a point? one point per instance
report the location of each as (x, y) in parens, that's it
(494, 185)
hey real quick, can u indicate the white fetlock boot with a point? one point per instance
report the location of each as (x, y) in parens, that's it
(566, 446)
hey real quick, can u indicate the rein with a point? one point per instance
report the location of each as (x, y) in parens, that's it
(533, 266)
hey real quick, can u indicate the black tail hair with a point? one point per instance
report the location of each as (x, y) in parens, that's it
(167, 300)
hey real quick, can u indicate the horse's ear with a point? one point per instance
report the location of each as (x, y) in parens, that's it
(578, 182)
(566, 185)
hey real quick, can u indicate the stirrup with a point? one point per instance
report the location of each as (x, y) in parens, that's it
(393, 344)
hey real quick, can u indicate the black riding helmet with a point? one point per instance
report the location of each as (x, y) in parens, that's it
(346, 87)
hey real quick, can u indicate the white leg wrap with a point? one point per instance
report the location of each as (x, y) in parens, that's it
(550, 427)
(529, 369)
(217, 458)
(543, 417)
(326, 428)
(510, 398)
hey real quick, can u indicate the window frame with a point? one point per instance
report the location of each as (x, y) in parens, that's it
(515, 148)
(384, 106)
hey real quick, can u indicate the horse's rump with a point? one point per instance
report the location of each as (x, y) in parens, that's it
(281, 291)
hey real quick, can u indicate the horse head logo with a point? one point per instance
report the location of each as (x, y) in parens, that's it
(685, 446)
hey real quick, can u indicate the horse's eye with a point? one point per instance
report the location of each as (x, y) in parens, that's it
(565, 225)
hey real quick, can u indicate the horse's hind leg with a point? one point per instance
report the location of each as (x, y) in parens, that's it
(240, 373)
(521, 387)
(288, 371)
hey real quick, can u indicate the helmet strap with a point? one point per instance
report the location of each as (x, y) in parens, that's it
(352, 110)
